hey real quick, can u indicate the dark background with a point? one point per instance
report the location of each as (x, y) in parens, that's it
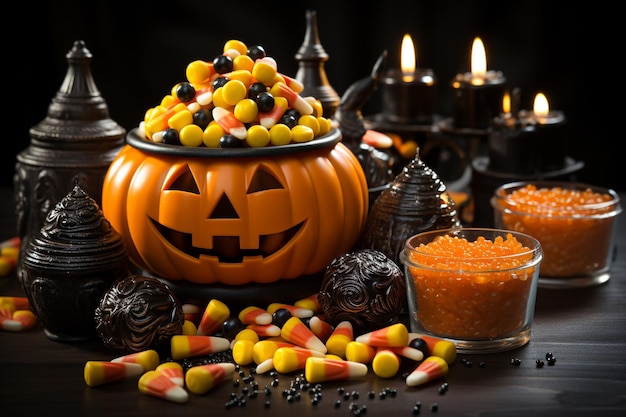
(141, 49)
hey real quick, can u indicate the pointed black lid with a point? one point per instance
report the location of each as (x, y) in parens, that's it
(78, 116)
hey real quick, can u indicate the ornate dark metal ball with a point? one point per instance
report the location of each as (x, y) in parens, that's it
(138, 313)
(364, 287)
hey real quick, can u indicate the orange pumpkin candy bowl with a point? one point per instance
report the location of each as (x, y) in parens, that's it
(225, 220)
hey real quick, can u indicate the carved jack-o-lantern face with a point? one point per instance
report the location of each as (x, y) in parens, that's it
(219, 227)
(236, 220)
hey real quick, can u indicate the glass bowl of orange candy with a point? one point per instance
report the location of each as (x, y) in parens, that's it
(474, 286)
(575, 223)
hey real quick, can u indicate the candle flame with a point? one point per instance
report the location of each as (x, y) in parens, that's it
(506, 103)
(407, 58)
(541, 107)
(479, 61)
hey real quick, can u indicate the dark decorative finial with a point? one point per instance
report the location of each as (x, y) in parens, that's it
(311, 72)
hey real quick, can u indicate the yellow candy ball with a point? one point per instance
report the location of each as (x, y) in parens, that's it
(310, 121)
(324, 125)
(246, 110)
(243, 63)
(191, 135)
(212, 135)
(302, 133)
(258, 136)
(280, 134)
(199, 72)
(233, 91)
(237, 45)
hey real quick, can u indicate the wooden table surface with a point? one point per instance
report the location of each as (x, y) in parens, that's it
(585, 329)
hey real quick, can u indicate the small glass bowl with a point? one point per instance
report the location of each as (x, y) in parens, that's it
(482, 303)
(575, 223)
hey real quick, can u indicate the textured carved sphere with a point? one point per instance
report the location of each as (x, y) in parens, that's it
(364, 287)
(138, 313)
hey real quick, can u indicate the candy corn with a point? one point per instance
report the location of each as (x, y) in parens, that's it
(394, 335)
(265, 349)
(17, 321)
(229, 123)
(192, 312)
(265, 330)
(339, 338)
(295, 331)
(360, 352)
(215, 313)
(385, 363)
(158, 385)
(203, 378)
(172, 370)
(290, 359)
(255, 315)
(320, 328)
(430, 369)
(311, 302)
(148, 359)
(265, 366)
(295, 311)
(183, 346)
(323, 369)
(437, 347)
(408, 352)
(242, 352)
(102, 372)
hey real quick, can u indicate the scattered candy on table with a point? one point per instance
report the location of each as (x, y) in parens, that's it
(297, 332)
(386, 363)
(215, 313)
(196, 345)
(103, 372)
(201, 379)
(15, 314)
(9, 254)
(339, 338)
(158, 385)
(148, 359)
(324, 369)
(428, 370)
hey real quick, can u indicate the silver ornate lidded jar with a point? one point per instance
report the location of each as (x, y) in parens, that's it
(70, 264)
(75, 143)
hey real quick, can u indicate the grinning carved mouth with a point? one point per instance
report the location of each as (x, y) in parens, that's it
(227, 248)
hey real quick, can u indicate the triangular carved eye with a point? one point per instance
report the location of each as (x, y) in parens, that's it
(224, 209)
(263, 180)
(185, 182)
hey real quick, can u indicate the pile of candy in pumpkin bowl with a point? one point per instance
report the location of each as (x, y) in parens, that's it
(236, 186)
